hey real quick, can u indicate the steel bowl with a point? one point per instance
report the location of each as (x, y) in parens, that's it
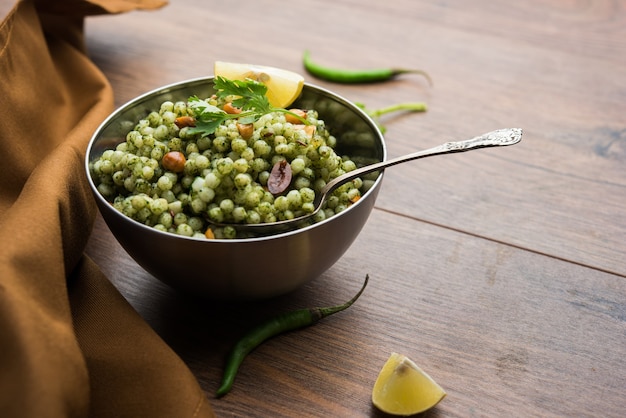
(251, 268)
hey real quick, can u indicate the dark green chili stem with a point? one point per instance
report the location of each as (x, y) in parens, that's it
(356, 76)
(279, 324)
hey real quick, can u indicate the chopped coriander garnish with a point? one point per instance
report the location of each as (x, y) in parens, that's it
(249, 97)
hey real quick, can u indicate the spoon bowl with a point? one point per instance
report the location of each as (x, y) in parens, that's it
(497, 138)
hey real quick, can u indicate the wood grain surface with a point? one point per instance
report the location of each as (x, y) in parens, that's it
(500, 272)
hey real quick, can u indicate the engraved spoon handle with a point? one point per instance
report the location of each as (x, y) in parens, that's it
(500, 137)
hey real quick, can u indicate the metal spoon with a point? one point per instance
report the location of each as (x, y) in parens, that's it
(501, 137)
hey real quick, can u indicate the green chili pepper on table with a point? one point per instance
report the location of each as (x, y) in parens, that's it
(288, 321)
(377, 113)
(357, 75)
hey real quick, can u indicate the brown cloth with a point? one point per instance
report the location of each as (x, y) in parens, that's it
(70, 344)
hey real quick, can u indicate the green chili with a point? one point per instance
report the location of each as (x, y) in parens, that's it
(377, 113)
(408, 106)
(279, 324)
(356, 76)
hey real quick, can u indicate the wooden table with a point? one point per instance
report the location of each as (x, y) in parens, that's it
(500, 272)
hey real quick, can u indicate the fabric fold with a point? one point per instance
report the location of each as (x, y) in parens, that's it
(70, 344)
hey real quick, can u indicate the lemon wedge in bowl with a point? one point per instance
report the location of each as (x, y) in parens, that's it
(283, 86)
(402, 388)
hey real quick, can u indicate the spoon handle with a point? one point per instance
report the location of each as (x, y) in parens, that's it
(497, 138)
(500, 137)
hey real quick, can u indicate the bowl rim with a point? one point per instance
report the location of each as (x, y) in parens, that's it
(172, 86)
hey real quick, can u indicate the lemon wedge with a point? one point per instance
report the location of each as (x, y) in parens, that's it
(402, 388)
(283, 86)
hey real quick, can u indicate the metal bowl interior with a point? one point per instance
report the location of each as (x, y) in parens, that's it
(251, 268)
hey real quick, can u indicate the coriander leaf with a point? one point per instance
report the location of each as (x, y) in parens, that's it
(248, 119)
(250, 94)
(200, 107)
(205, 128)
(208, 117)
(260, 104)
(245, 88)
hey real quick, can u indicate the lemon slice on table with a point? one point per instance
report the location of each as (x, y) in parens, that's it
(402, 388)
(283, 86)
